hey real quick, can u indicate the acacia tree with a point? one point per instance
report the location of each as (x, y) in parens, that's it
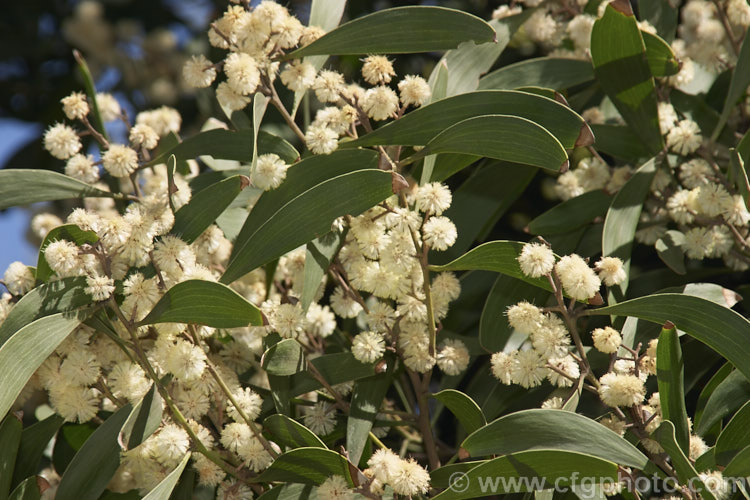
(234, 314)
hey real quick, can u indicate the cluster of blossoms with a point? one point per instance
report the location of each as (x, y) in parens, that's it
(548, 353)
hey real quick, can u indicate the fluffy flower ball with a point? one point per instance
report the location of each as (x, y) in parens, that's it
(380, 103)
(577, 278)
(606, 340)
(199, 72)
(621, 390)
(610, 270)
(61, 141)
(368, 347)
(120, 160)
(536, 260)
(269, 172)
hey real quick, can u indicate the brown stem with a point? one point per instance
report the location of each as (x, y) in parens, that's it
(423, 420)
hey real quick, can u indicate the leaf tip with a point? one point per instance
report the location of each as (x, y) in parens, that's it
(565, 166)
(463, 453)
(398, 183)
(622, 6)
(668, 325)
(585, 136)
(244, 181)
(42, 484)
(596, 300)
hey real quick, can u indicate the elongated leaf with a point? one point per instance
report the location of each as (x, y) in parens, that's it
(260, 102)
(22, 354)
(48, 186)
(528, 471)
(57, 296)
(367, 397)
(101, 453)
(552, 430)
(318, 257)
(662, 15)
(34, 440)
(467, 412)
(143, 420)
(728, 396)
(290, 433)
(206, 206)
(670, 368)
(686, 473)
(619, 57)
(204, 303)
(571, 214)
(68, 441)
(228, 145)
(661, 60)
(284, 359)
(307, 466)
(494, 330)
(27, 490)
(620, 142)
(738, 174)
(306, 217)
(10, 437)
(740, 464)
(301, 177)
(622, 219)
(722, 329)
(325, 14)
(422, 125)
(401, 30)
(448, 164)
(290, 491)
(335, 368)
(737, 87)
(165, 487)
(480, 202)
(464, 65)
(557, 73)
(734, 437)
(67, 232)
(523, 142)
(88, 83)
(708, 389)
(496, 256)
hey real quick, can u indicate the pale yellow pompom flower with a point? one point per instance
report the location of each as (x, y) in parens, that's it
(377, 70)
(536, 260)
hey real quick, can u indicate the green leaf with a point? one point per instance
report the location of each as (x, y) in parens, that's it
(143, 420)
(619, 57)
(34, 440)
(496, 256)
(324, 14)
(260, 103)
(100, 453)
(63, 295)
(670, 368)
(494, 330)
(480, 202)
(528, 471)
(67, 232)
(88, 84)
(27, 490)
(225, 144)
(728, 396)
(669, 249)
(401, 30)
(464, 65)
(737, 87)
(422, 125)
(68, 441)
(289, 491)
(206, 206)
(318, 257)
(306, 217)
(738, 174)
(708, 389)
(301, 177)
(467, 412)
(335, 368)
(284, 358)
(571, 214)
(307, 466)
(523, 142)
(290, 433)
(557, 73)
(722, 329)
(740, 464)
(686, 473)
(661, 60)
(48, 186)
(367, 397)
(164, 489)
(622, 219)
(10, 437)
(27, 349)
(552, 430)
(662, 15)
(620, 142)
(734, 437)
(204, 303)
(448, 164)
